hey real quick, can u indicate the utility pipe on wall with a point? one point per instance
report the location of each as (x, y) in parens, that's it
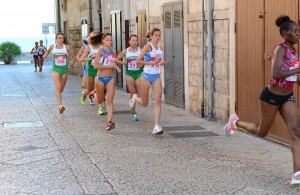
(126, 5)
(58, 25)
(203, 53)
(91, 15)
(209, 58)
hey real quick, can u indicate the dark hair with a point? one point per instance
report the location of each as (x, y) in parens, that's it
(96, 38)
(284, 23)
(149, 34)
(104, 35)
(36, 42)
(132, 36)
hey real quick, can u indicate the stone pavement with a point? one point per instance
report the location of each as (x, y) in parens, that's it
(71, 153)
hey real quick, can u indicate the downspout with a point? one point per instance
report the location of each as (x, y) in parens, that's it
(58, 25)
(91, 15)
(126, 4)
(203, 61)
(209, 58)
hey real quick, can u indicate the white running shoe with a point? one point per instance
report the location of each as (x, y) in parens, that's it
(157, 130)
(132, 101)
(296, 178)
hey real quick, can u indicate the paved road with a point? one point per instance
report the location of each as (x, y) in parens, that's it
(42, 152)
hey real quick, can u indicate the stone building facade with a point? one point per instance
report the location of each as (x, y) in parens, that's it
(99, 13)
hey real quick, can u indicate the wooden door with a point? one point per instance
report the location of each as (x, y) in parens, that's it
(141, 28)
(249, 58)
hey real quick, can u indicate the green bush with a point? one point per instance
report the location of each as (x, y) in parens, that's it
(8, 51)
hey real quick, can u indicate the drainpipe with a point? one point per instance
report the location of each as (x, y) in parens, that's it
(203, 53)
(209, 59)
(91, 15)
(126, 4)
(58, 25)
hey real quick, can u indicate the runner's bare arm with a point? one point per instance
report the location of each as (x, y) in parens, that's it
(69, 49)
(48, 51)
(121, 55)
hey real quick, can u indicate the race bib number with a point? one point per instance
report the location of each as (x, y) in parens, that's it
(294, 65)
(132, 65)
(153, 58)
(109, 59)
(60, 60)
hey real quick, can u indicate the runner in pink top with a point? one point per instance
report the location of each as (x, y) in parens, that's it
(278, 95)
(290, 62)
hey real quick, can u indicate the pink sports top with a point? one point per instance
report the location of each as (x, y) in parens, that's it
(290, 62)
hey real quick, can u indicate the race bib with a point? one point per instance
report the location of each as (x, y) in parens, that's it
(153, 58)
(132, 65)
(109, 59)
(294, 65)
(60, 60)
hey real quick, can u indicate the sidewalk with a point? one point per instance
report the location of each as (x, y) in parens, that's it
(73, 154)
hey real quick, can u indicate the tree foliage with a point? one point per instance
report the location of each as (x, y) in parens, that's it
(8, 51)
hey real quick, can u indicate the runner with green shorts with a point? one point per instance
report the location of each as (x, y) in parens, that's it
(60, 66)
(90, 52)
(133, 70)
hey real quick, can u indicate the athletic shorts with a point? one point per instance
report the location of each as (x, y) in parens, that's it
(150, 77)
(276, 100)
(61, 70)
(91, 71)
(134, 74)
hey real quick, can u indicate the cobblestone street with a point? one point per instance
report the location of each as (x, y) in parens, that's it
(43, 152)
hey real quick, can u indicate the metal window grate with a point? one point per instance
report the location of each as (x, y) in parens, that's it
(177, 19)
(168, 20)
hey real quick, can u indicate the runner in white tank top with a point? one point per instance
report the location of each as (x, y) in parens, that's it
(151, 58)
(132, 69)
(60, 66)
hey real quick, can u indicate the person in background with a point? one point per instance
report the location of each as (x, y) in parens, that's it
(34, 51)
(41, 52)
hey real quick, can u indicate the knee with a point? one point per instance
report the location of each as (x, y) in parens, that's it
(295, 132)
(157, 101)
(144, 103)
(109, 100)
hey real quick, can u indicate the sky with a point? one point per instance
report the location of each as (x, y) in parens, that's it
(24, 18)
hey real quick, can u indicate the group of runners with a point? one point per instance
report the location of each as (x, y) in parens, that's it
(38, 51)
(142, 68)
(99, 59)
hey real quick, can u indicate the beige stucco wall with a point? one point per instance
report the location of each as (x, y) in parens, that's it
(223, 57)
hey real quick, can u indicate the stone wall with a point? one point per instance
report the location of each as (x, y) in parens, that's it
(221, 63)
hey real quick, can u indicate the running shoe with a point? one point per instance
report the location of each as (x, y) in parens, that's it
(61, 109)
(296, 178)
(157, 130)
(230, 127)
(101, 111)
(91, 102)
(134, 117)
(132, 101)
(109, 126)
(35, 70)
(82, 99)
